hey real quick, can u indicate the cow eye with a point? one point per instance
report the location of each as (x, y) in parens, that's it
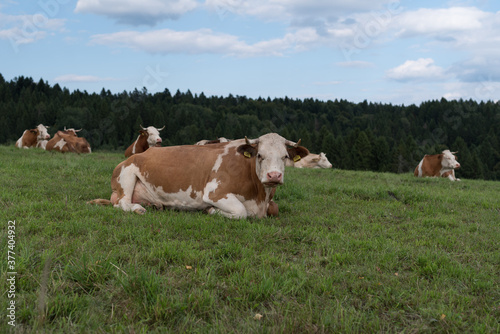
(259, 156)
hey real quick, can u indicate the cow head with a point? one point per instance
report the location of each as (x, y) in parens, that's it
(72, 131)
(41, 132)
(271, 152)
(153, 135)
(449, 160)
(323, 161)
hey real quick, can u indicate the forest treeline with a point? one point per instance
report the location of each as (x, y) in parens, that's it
(359, 136)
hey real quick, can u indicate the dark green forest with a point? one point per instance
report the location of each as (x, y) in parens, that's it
(358, 136)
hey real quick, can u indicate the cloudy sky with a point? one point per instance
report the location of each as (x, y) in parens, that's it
(398, 52)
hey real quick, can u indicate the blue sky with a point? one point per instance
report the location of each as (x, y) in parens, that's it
(387, 51)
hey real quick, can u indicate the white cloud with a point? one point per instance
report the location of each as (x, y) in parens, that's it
(24, 29)
(147, 12)
(285, 10)
(201, 41)
(80, 78)
(356, 64)
(420, 69)
(440, 23)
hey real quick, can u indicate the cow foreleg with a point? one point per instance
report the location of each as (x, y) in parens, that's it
(229, 207)
(452, 177)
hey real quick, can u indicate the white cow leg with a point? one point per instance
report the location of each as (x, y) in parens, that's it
(229, 207)
(128, 179)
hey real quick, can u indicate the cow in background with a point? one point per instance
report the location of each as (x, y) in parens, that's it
(148, 137)
(235, 179)
(214, 141)
(68, 141)
(437, 165)
(311, 161)
(34, 137)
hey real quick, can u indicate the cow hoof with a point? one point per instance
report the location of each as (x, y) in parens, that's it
(140, 211)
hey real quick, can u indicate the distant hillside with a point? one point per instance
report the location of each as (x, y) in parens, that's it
(358, 136)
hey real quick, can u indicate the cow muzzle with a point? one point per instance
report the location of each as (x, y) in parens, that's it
(457, 166)
(274, 179)
(158, 142)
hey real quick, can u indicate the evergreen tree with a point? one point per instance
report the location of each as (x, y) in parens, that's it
(362, 152)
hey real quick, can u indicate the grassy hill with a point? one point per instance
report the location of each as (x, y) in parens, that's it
(351, 252)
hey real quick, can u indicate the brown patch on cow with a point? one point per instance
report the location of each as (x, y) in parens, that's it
(431, 165)
(30, 138)
(141, 144)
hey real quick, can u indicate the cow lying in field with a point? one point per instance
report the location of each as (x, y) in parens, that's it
(36, 137)
(436, 165)
(68, 141)
(235, 179)
(311, 161)
(148, 137)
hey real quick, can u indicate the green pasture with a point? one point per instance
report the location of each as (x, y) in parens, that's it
(351, 252)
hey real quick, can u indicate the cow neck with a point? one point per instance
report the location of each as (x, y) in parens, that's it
(263, 193)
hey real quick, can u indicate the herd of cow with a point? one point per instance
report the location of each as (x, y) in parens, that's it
(234, 178)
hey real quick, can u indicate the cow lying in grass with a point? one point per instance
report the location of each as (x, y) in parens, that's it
(311, 161)
(68, 141)
(36, 137)
(236, 179)
(437, 165)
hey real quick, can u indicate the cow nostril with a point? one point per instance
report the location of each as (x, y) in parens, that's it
(275, 176)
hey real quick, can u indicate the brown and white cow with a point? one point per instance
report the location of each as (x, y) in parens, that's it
(235, 179)
(443, 165)
(311, 161)
(68, 141)
(148, 137)
(34, 137)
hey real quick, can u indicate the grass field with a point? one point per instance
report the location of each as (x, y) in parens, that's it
(351, 252)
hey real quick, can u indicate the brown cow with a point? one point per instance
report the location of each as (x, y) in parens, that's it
(234, 179)
(67, 141)
(148, 137)
(443, 165)
(34, 137)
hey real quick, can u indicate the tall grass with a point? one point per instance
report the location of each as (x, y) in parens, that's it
(351, 252)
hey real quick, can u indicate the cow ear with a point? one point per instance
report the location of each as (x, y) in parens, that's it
(249, 151)
(35, 131)
(297, 153)
(315, 160)
(143, 132)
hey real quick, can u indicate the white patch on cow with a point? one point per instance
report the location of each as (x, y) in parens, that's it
(135, 143)
(60, 144)
(218, 161)
(19, 142)
(127, 180)
(253, 209)
(42, 144)
(230, 207)
(181, 200)
(420, 168)
(210, 187)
